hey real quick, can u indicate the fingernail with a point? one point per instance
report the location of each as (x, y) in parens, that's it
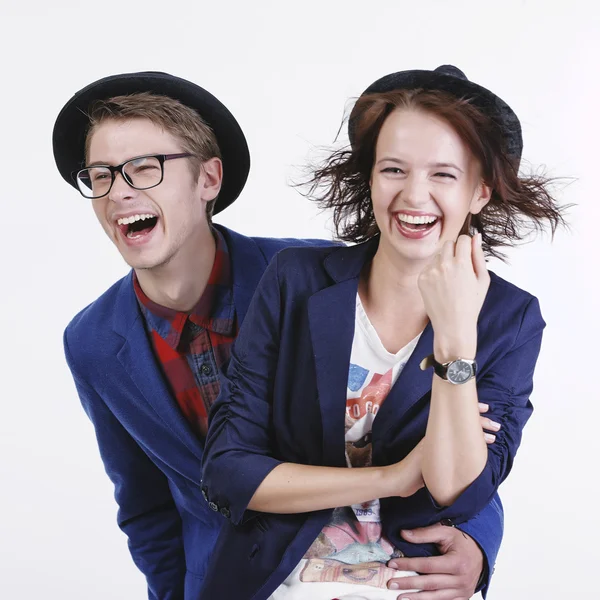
(495, 426)
(393, 565)
(479, 238)
(394, 586)
(489, 437)
(483, 406)
(407, 532)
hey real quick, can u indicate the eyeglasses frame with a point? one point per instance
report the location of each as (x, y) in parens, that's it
(162, 158)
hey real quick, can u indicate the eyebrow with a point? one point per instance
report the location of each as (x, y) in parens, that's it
(100, 163)
(437, 165)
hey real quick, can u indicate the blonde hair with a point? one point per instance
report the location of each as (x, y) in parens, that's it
(172, 116)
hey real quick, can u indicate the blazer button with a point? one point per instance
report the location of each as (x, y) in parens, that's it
(213, 506)
(447, 522)
(226, 512)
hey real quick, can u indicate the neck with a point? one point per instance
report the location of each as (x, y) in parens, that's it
(390, 288)
(180, 282)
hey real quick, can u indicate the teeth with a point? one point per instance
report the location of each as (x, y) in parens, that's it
(416, 220)
(133, 219)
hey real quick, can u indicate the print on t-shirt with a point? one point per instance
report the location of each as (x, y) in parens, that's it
(351, 548)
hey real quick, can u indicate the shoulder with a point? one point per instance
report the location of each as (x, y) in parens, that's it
(508, 309)
(308, 255)
(297, 272)
(97, 312)
(304, 269)
(269, 246)
(272, 246)
(90, 330)
(503, 293)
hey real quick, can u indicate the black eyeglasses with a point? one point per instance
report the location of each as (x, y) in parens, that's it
(141, 173)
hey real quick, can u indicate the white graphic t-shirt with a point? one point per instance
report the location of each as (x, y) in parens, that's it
(348, 559)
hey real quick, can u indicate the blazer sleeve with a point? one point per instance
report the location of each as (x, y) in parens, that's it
(147, 513)
(487, 528)
(238, 451)
(506, 387)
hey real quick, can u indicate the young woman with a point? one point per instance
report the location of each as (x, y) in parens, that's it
(377, 354)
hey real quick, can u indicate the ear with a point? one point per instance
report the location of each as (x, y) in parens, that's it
(482, 196)
(210, 179)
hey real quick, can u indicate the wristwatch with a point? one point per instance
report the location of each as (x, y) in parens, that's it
(456, 371)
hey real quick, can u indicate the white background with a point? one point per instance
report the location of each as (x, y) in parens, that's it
(286, 70)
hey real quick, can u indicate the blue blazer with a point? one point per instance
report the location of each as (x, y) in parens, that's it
(148, 449)
(283, 399)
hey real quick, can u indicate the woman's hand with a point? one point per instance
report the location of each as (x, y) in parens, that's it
(453, 287)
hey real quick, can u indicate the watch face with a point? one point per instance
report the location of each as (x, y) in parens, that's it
(459, 371)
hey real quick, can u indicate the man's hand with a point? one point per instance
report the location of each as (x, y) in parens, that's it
(451, 576)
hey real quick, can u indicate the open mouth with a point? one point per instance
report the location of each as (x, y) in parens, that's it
(417, 223)
(137, 225)
(416, 226)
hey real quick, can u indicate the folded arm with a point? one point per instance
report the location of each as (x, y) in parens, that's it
(459, 472)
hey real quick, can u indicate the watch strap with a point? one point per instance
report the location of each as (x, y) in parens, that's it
(441, 369)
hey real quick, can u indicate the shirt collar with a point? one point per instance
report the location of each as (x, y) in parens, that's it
(215, 310)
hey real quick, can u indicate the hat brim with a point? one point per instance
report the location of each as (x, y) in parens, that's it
(482, 98)
(72, 124)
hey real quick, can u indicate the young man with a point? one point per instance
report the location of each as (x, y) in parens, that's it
(157, 157)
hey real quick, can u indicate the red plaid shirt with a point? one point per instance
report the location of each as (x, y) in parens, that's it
(192, 347)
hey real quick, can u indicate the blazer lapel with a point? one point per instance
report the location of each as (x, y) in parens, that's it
(332, 320)
(411, 386)
(331, 314)
(139, 362)
(137, 357)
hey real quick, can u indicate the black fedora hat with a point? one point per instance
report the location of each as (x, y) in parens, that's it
(70, 129)
(452, 80)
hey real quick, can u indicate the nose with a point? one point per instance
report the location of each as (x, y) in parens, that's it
(121, 190)
(415, 192)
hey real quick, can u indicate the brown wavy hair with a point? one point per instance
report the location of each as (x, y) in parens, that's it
(519, 205)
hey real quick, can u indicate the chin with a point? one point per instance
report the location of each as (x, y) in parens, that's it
(142, 262)
(423, 256)
(411, 251)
